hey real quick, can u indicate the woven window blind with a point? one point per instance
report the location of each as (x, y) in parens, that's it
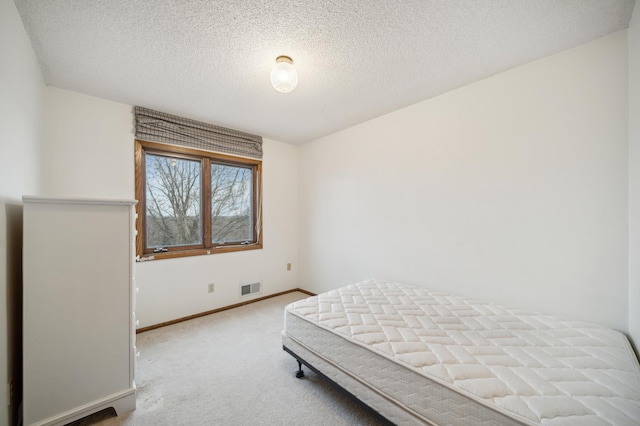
(155, 126)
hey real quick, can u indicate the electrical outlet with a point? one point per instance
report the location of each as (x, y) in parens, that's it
(211, 287)
(288, 266)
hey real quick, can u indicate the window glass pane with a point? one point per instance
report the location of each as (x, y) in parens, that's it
(231, 204)
(173, 201)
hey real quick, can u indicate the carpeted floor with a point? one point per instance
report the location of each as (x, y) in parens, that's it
(229, 368)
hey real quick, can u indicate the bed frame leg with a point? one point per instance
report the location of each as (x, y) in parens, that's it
(299, 373)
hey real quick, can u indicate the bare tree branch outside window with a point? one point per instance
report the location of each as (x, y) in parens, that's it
(173, 201)
(231, 206)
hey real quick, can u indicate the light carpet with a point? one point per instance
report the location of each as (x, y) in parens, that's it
(229, 368)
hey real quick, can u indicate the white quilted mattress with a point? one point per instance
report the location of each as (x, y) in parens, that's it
(447, 360)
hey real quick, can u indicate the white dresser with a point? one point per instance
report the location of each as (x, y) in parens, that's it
(78, 308)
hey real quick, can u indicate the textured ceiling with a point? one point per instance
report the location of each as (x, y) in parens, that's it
(356, 60)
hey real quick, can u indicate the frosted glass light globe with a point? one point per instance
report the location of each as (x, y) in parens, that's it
(284, 77)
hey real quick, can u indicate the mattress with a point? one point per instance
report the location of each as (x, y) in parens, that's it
(424, 357)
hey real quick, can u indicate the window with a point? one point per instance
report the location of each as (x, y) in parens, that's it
(194, 202)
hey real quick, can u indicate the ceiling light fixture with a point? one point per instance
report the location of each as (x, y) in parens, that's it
(283, 75)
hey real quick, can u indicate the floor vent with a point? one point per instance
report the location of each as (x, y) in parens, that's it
(250, 289)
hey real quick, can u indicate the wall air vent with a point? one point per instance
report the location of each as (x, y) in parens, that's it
(247, 289)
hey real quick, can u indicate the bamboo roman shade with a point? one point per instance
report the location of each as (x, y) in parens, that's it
(154, 126)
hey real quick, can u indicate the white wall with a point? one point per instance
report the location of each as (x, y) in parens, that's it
(511, 189)
(89, 146)
(634, 177)
(21, 108)
(90, 154)
(21, 136)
